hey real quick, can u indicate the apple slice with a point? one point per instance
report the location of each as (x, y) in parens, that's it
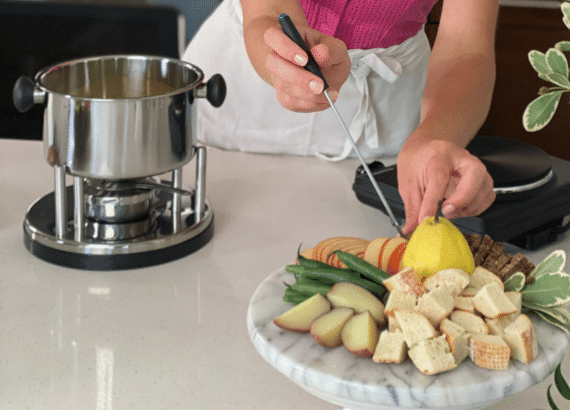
(346, 294)
(300, 317)
(360, 335)
(326, 329)
(386, 253)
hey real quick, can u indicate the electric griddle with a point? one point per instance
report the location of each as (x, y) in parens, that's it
(532, 187)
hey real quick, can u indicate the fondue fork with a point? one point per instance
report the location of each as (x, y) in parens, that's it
(291, 31)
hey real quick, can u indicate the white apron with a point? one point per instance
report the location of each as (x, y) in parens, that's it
(380, 101)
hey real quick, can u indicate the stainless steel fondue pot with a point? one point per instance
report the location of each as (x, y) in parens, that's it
(121, 116)
(117, 124)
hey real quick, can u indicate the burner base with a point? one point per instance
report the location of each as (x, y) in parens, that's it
(118, 261)
(163, 244)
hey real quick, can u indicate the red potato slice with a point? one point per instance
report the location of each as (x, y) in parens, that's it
(360, 335)
(326, 329)
(300, 317)
(346, 294)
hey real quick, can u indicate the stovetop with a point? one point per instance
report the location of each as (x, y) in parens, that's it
(528, 219)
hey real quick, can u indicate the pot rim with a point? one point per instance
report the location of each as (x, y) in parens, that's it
(45, 71)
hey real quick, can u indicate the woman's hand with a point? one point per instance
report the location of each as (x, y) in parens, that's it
(297, 89)
(437, 170)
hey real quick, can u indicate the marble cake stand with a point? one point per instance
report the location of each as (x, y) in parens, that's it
(357, 383)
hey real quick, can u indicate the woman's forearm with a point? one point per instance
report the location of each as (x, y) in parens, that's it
(258, 16)
(457, 98)
(461, 72)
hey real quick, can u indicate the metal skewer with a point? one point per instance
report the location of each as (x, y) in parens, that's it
(312, 66)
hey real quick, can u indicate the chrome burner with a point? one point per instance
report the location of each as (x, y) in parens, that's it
(119, 228)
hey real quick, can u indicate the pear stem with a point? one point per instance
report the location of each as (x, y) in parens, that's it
(439, 212)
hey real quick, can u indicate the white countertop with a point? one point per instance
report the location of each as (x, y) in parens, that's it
(174, 336)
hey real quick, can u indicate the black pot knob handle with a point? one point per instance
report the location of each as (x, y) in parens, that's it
(216, 90)
(23, 93)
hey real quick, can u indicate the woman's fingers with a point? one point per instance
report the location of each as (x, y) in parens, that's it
(284, 46)
(440, 170)
(309, 84)
(296, 88)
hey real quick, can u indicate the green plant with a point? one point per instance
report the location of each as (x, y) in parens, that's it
(551, 66)
(561, 386)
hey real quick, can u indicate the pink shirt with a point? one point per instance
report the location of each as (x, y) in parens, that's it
(366, 24)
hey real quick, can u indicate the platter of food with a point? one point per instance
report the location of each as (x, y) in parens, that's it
(337, 376)
(516, 348)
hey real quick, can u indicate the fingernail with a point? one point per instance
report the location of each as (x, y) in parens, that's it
(299, 59)
(316, 87)
(448, 209)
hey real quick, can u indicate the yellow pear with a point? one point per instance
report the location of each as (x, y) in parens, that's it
(437, 244)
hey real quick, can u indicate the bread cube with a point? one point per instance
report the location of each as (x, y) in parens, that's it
(469, 321)
(407, 281)
(481, 277)
(391, 348)
(464, 303)
(469, 291)
(457, 339)
(432, 356)
(516, 299)
(454, 280)
(489, 351)
(393, 324)
(492, 302)
(436, 305)
(521, 338)
(416, 327)
(399, 300)
(497, 325)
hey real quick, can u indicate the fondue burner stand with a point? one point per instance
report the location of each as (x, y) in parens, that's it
(124, 224)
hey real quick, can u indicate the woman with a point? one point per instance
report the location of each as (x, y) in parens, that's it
(396, 95)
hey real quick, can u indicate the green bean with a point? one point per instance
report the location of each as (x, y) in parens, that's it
(310, 286)
(295, 299)
(311, 263)
(294, 269)
(334, 276)
(361, 266)
(296, 296)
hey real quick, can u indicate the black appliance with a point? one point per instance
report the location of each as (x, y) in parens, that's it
(532, 187)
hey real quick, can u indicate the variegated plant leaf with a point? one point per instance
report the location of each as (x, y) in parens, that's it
(538, 62)
(563, 45)
(540, 111)
(548, 290)
(555, 262)
(556, 79)
(556, 320)
(515, 282)
(557, 62)
(533, 306)
(565, 7)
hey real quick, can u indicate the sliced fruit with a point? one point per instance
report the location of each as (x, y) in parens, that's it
(386, 253)
(355, 248)
(323, 249)
(307, 253)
